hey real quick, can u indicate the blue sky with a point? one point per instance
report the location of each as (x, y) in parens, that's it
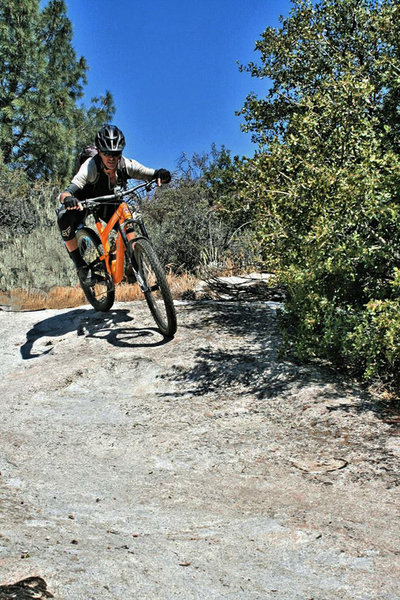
(172, 69)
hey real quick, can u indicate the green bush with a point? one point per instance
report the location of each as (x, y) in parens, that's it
(323, 189)
(32, 251)
(326, 201)
(376, 340)
(190, 235)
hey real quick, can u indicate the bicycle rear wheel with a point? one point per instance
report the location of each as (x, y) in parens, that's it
(154, 285)
(101, 295)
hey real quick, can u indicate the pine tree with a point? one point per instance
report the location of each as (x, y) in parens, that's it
(42, 83)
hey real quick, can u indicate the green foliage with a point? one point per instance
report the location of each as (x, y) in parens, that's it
(320, 43)
(32, 251)
(323, 187)
(189, 235)
(41, 83)
(187, 229)
(42, 126)
(376, 339)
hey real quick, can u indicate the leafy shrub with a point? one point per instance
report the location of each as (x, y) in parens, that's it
(323, 190)
(190, 235)
(32, 251)
(326, 201)
(375, 340)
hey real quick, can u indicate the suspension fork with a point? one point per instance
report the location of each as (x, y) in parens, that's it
(129, 249)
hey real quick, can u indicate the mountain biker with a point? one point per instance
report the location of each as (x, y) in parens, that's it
(98, 176)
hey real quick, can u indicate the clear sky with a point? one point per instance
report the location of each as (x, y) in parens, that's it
(171, 66)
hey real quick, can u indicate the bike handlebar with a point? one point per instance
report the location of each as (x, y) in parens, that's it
(119, 194)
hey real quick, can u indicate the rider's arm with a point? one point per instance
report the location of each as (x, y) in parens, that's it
(70, 191)
(86, 174)
(135, 170)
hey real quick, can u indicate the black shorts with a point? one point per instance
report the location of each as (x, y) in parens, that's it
(69, 220)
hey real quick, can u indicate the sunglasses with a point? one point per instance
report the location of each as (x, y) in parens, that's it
(116, 154)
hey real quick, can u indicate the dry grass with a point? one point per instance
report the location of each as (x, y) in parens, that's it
(57, 297)
(70, 297)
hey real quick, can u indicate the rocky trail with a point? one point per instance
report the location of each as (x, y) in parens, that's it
(203, 467)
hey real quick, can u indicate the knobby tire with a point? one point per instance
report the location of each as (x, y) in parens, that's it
(101, 296)
(158, 294)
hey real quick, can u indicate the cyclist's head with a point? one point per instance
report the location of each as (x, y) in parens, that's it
(110, 139)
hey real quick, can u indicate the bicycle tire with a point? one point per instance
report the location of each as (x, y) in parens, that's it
(158, 295)
(102, 295)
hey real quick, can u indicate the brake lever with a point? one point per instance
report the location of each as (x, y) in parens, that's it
(86, 204)
(150, 185)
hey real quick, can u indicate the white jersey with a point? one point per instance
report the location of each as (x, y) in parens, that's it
(89, 174)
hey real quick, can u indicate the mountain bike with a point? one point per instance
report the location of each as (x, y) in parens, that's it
(109, 254)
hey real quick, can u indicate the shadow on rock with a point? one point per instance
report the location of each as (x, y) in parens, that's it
(32, 587)
(250, 359)
(90, 323)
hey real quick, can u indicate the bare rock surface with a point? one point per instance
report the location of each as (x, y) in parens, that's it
(203, 467)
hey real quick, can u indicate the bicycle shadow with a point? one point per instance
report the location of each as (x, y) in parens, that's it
(91, 324)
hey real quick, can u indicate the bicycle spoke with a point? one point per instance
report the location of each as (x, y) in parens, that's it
(155, 289)
(101, 294)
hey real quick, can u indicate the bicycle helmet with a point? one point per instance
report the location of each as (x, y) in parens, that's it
(110, 139)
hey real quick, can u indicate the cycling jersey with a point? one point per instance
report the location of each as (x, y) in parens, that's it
(91, 180)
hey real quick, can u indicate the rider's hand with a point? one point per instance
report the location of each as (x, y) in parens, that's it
(162, 176)
(71, 202)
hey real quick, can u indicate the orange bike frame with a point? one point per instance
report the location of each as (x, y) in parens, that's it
(115, 267)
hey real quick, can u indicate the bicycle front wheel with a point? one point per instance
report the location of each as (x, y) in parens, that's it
(154, 286)
(101, 295)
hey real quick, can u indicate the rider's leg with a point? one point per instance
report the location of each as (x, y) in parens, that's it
(85, 274)
(74, 254)
(68, 221)
(71, 245)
